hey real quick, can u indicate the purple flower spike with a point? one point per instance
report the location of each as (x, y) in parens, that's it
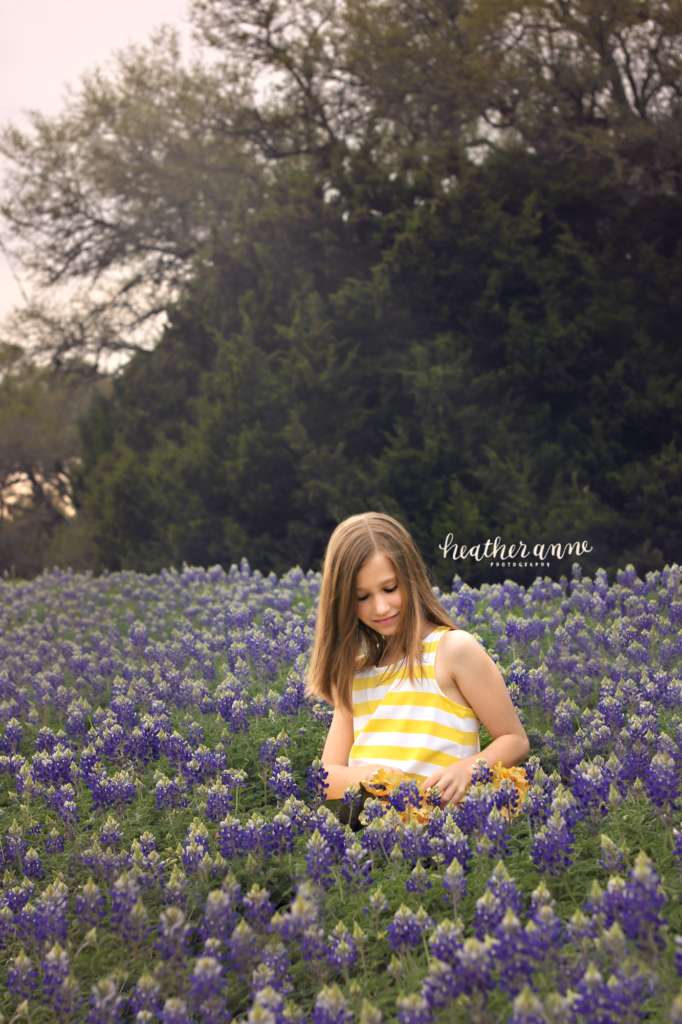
(331, 1007)
(413, 1009)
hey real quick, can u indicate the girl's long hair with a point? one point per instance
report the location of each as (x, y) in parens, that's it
(340, 637)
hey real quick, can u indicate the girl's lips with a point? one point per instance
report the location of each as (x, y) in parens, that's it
(382, 622)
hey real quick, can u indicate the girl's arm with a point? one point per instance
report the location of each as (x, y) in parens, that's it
(335, 757)
(481, 683)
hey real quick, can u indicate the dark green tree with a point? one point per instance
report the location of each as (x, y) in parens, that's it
(487, 360)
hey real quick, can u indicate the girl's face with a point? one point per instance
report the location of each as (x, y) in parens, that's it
(380, 599)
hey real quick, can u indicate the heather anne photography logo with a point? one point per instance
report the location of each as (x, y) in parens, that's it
(516, 555)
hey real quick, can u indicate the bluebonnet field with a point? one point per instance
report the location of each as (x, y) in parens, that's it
(167, 855)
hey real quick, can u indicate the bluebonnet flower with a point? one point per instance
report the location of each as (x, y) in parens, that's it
(331, 1007)
(413, 1009)
(454, 882)
(446, 939)
(331, 829)
(49, 919)
(419, 880)
(378, 901)
(405, 795)
(170, 793)
(174, 934)
(146, 996)
(502, 885)
(612, 858)
(380, 834)
(507, 797)
(76, 718)
(527, 1008)
(440, 985)
(471, 973)
(220, 915)
(316, 784)
(590, 786)
(489, 912)
(53, 769)
(174, 1012)
(106, 1005)
(414, 841)
(239, 717)
(19, 895)
(495, 830)
(258, 908)
(283, 831)
(663, 782)
(481, 773)
(282, 780)
(45, 740)
(111, 833)
(135, 925)
(552, 846)
(356, 866)
(234, 778)
(147, 843)
(62, 801)
(351, 796)
(514, 955)
(54, 842)
(196, 845)
(635, 761)
(407, 927)
(341, 949)
(22, 977)
(229, 837)
(9, 743)
(595, 1000)
(219, 801)
(59, 991)
(125, 893)
(90, 905)
(303, 912)
(318, 858)
(474, 965)
(474, 809)
(637, 903)
(242, 948)
(313, 946)
(548, 928)
(32, 866)
(89, 758)
(273, 971)
(14, 846)
(456, 843)
(205, 981)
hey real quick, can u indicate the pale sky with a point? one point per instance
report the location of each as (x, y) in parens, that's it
(45, 44)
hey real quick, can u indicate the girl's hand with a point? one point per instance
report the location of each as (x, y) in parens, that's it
(452, 781)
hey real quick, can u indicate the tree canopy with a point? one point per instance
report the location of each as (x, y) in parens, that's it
(419, 257)
(39, 452)
(110, 203)
(501, 359)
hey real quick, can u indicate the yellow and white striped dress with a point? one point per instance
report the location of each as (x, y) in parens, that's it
(410, 726)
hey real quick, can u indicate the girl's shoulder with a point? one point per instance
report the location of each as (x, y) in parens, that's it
(460, 645)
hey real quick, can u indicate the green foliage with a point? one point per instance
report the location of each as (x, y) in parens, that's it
(39, 451)
(425, 258)
(493, 356)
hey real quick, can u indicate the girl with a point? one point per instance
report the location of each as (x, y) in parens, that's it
(409, 689)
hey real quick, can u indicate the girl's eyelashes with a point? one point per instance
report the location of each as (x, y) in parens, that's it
(387, 590)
